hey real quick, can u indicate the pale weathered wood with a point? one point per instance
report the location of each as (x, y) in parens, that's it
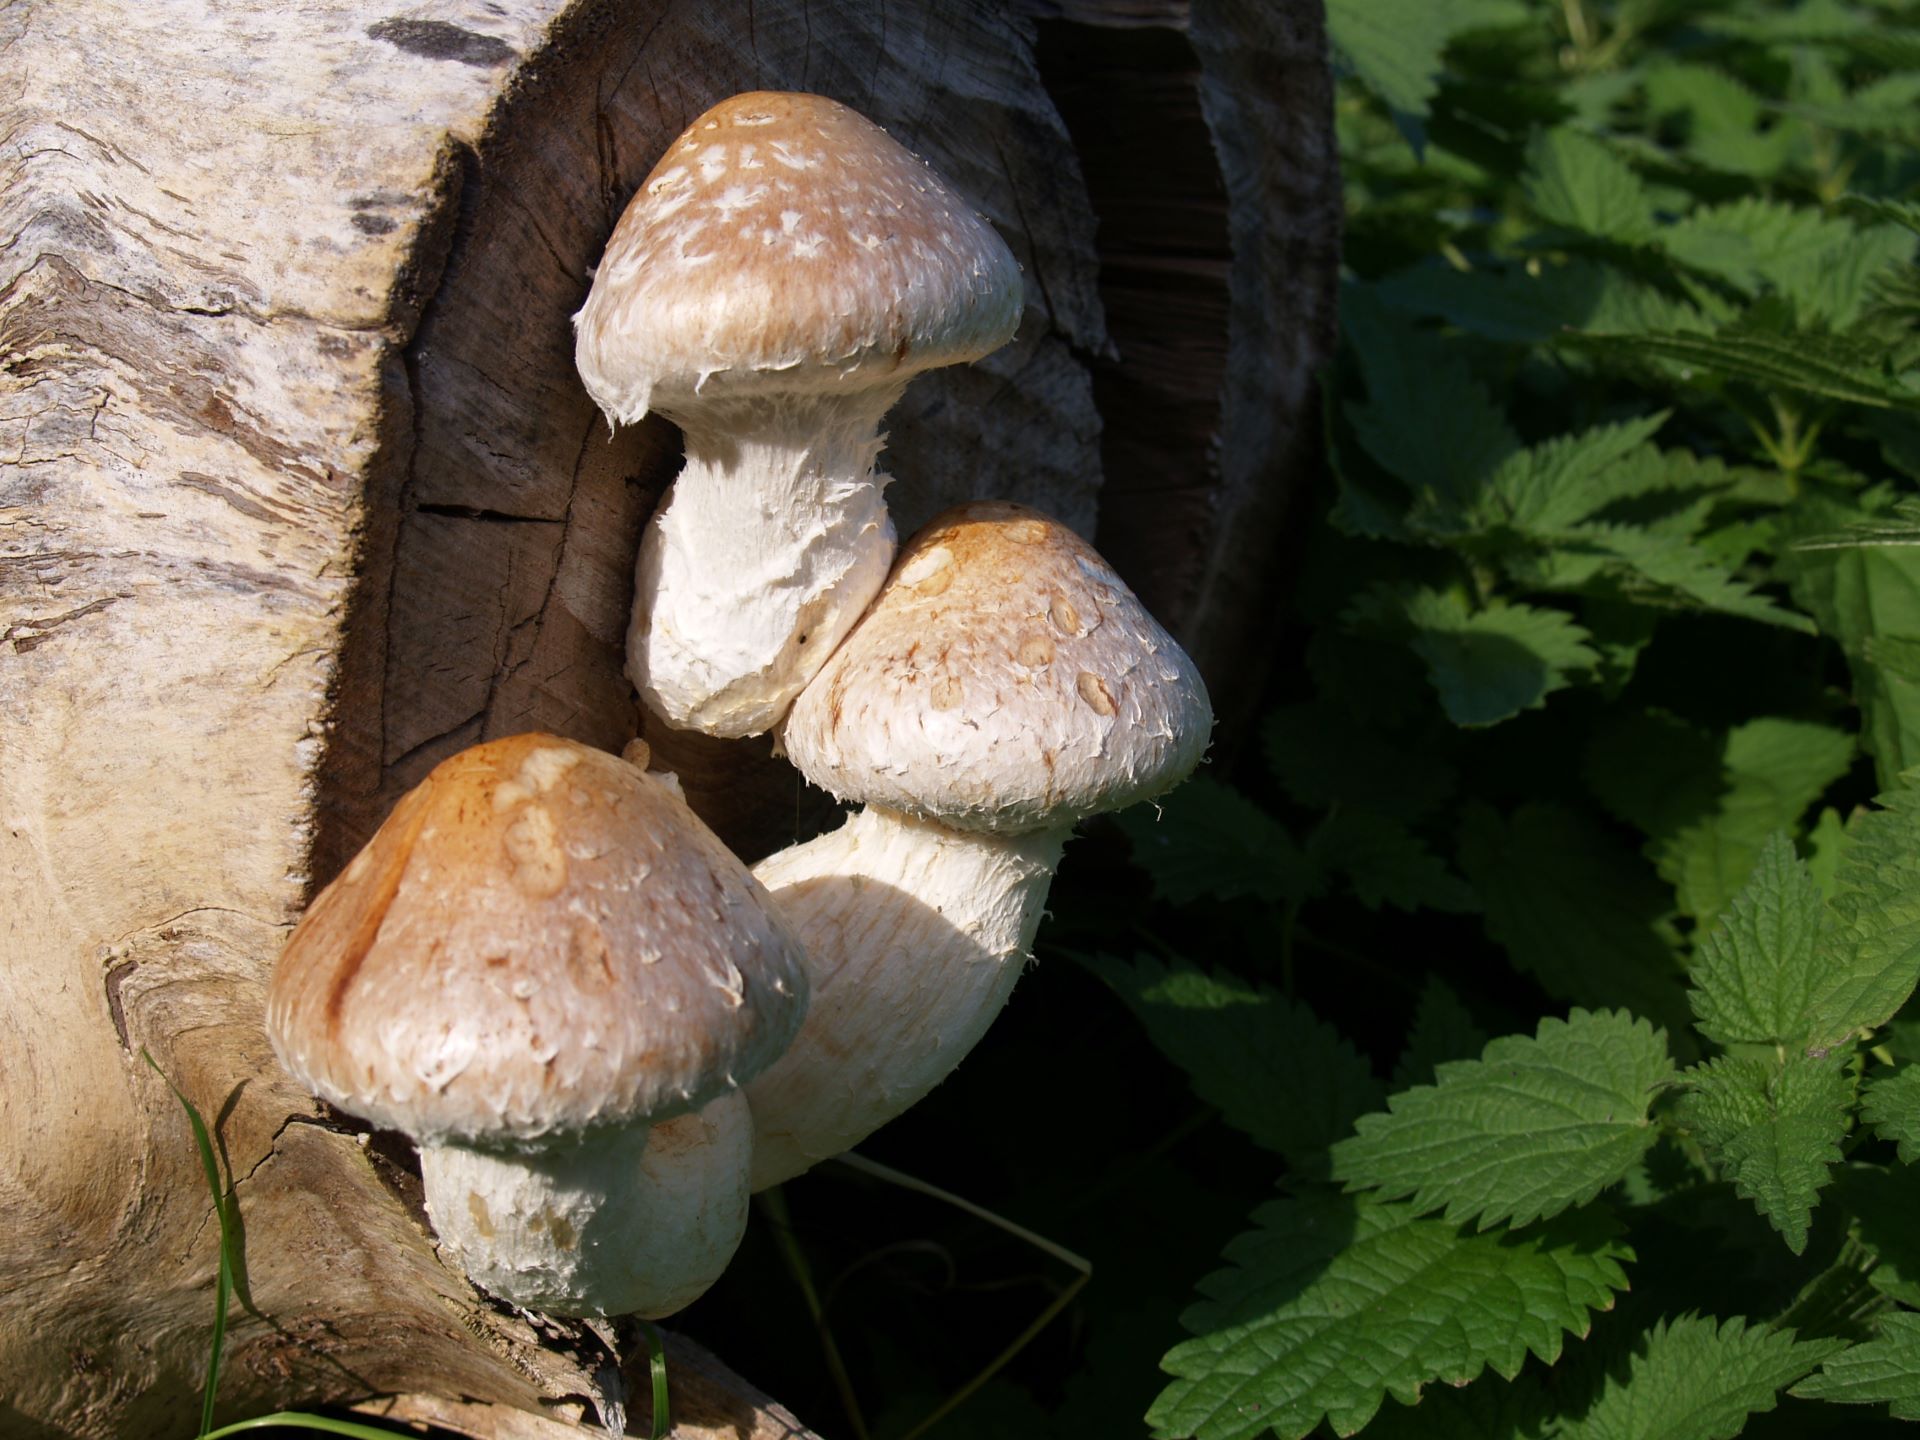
(297, 495)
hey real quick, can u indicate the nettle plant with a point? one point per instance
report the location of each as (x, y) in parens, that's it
(1599, 742)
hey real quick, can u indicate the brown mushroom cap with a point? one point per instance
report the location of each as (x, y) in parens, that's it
(785, 242)
(1006, 679)
(540, 939)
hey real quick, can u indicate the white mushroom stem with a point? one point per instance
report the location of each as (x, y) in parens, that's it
(633, 1221)
(772, 541)
(915, 935)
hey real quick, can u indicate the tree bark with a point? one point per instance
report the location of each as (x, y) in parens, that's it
(301, 495)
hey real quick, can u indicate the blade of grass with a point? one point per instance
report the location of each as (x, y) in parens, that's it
(299, 1420)
(657, 1365)
(223, 1286)
(774, 1202)
(887, 1174)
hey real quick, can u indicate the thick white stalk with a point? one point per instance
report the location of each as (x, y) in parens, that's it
(617, 1222)
(771, 543)
(915, 935)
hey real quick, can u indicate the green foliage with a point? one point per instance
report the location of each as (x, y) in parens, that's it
(1755, 976)
(1285, 1079)
(1882, 1371)
(1695, 1379)
(1891, 1105)
(1774, 1128)
(1331, 1302)
(1623, 468)
(1535, 1125)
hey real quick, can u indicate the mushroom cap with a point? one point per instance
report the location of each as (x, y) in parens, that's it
(541, 939)
(1004, 680)
(785, 243)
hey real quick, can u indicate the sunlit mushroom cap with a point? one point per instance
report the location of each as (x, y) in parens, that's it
(541, 939)
(1006, 679)
(786, 243)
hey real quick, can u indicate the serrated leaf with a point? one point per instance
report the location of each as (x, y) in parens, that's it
(1891, 1105)
(1206, 840)
(1488, 664)
(1550, 487)
(1695, 1378)
(1859, 576)
(1275, 1071)
(1823, 265)
(1576, 181)
(1675, 569)
(1833, 367)
(1885, 1371)
(1774, 1129)
(1334, 1302)
(1394, 46)
(1488, 1409)
(1575, 909)
(1442, 1029)
(1529, 303)
(1708, 803)
(1826, 843)
(1905, 213)
(1426, 421)
(1754, 976)
(1877, 905)
(1535, 1125)
(1323, 758)
(1385, 863)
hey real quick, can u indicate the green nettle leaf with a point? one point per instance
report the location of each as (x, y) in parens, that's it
(1535, 1125)
(1675, 569)
(1774, 1129)
(1755, 974)
(1834, 367)
(1394, 48)
(1576, 181)
(1823, 265)
(1885, 1371)
(1488, 1409)
(1335, 1302)
(1385, 863)
(1442, 1030)
(1529, 303)
(1551, 487)
(1208, 841)
(1323, 758)
(1826, 843)
(1708, 804)
(1696, 1378)
(1877, 904)
(1861, 581)
(1891, 1105)
(1426, 421)
(1275, 1071)
(1487, 664)
(1575, 909)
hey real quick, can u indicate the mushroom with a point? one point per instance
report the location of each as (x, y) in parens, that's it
(550, 974)
(1005, 685)
(775, 283)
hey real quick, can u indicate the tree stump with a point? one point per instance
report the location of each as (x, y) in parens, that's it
(301, 495)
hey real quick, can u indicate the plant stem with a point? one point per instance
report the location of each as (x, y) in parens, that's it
(774, 1203)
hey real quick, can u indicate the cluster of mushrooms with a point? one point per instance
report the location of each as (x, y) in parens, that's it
(600, 1028)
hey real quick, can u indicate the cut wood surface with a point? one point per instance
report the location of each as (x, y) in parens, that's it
(300, 495)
